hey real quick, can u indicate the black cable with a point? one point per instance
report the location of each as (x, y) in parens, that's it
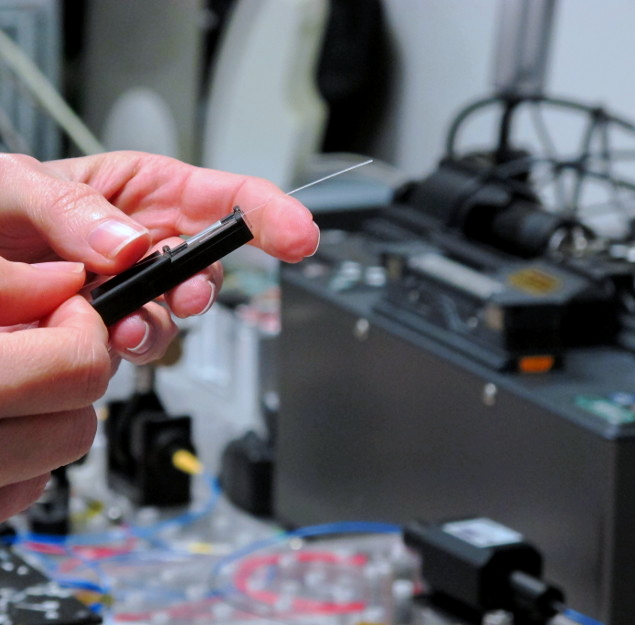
(464, 114)
(597, 118)
(505, 128)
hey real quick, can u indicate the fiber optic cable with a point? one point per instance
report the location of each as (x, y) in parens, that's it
(48, 97)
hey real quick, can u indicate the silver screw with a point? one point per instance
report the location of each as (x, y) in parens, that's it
(361, 329)
(490, 391)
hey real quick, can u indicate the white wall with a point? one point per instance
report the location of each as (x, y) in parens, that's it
(444, 54)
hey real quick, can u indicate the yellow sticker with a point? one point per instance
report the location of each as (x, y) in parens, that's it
(534, 281)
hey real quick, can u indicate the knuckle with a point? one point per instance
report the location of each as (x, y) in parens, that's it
(98, 376)
(95, 369)
(80, 427)
(9, 162)
(65, 197)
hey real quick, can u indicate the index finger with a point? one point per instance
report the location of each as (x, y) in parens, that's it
(173, 198)
(282, 226)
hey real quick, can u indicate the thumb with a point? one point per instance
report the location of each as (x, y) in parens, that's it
(76, 221)
(30, 292)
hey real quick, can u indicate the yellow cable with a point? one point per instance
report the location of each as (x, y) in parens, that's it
(187, 462)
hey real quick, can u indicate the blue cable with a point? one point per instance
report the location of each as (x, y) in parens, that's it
(82, 584)
(191, 516)
(149, 533)
(577, 617)
(344, 527)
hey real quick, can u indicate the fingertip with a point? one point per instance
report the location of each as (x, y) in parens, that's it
(31, 292)
(288, 232)
(211, 296)
(133, 334)
(139, 333)
(316, 237)
(194, 297)
(61, 267)
(61, 279)
(145, 335)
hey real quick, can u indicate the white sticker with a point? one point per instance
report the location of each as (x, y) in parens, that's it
(482, 532)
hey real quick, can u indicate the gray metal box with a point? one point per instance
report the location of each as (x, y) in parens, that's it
(379, 422)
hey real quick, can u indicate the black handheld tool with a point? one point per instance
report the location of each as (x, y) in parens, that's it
(161, 271)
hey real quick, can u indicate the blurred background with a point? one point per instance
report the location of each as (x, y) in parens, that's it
(390, 72)
(360, 384)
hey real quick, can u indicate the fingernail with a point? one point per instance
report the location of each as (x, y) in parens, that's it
(212, 297)
(144, 344)
(111, 236)
(318, 241)
(60, 266)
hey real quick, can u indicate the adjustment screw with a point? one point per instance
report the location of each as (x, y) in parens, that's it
(361, 329)
(490, 391)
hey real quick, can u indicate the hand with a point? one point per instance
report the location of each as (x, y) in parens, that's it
(108, 210)
(51, 373)
(103, 213)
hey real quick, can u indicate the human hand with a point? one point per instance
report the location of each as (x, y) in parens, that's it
(53, 365)
(108, 210)
(103, 212)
